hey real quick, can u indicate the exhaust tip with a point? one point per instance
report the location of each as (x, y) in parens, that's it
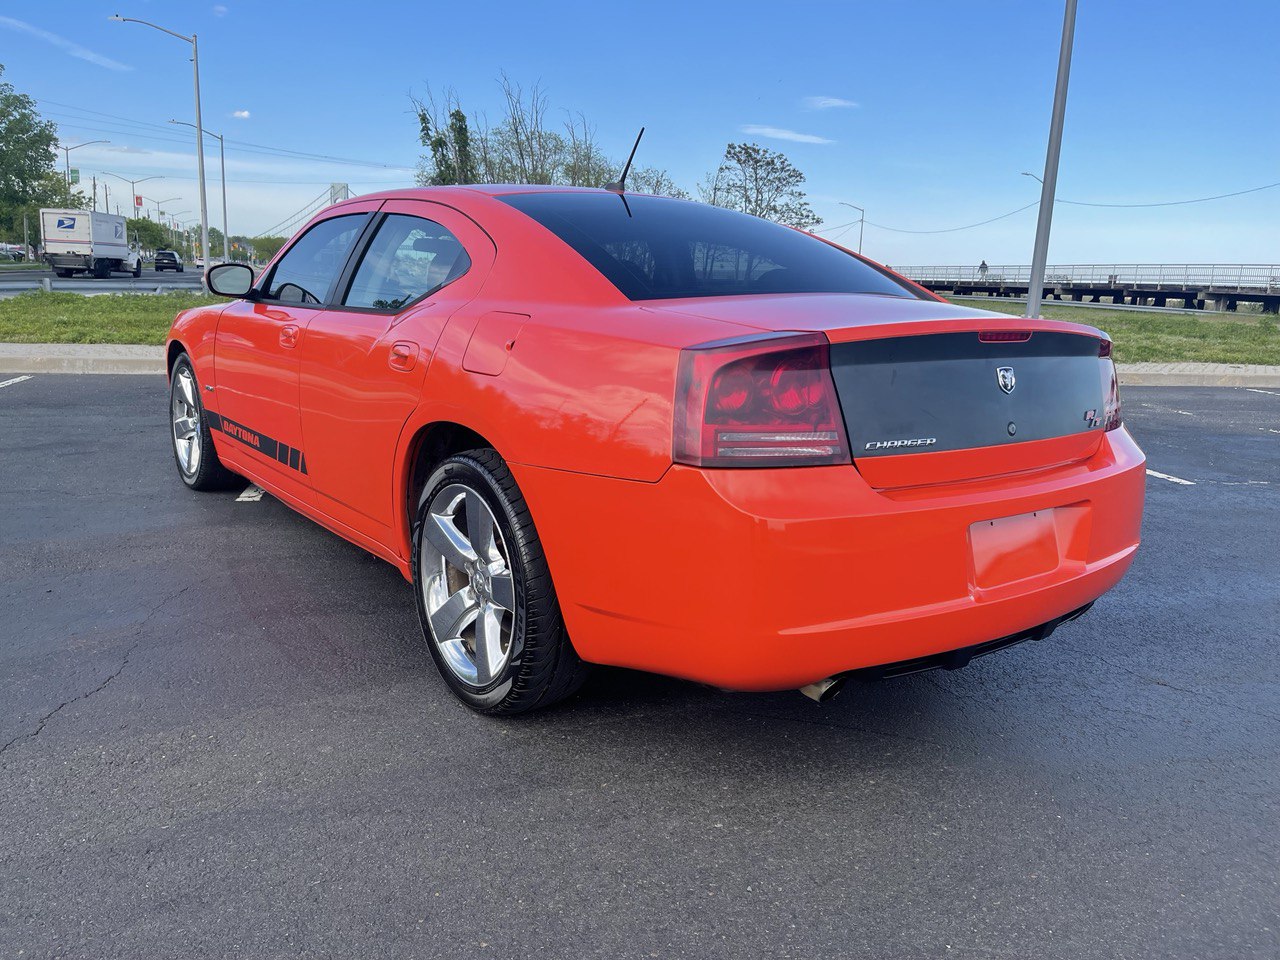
(822, 691)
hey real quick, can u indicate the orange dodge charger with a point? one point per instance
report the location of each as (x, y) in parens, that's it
(596, 427)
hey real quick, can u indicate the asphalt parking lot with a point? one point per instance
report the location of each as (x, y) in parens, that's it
(221, 736)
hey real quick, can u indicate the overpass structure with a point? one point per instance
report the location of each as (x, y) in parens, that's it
(1197, 286)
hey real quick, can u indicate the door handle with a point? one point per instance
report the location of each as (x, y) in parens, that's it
(289, 335)
(403, 355)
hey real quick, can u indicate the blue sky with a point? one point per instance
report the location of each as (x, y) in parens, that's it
(923, 112)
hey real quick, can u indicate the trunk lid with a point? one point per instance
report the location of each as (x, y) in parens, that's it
(932, 393)
(942, 407)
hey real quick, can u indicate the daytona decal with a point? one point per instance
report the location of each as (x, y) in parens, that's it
(291, 457)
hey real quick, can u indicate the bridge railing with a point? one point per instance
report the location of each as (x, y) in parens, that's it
(1227, 276)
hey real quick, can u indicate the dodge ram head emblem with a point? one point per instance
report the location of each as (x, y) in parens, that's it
(1006, 379)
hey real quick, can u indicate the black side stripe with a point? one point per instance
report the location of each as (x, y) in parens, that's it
(291, 457)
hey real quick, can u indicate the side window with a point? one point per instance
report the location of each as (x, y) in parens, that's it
(308, 268)
(408, 258)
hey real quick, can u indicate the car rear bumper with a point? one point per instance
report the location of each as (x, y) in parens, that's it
(768, 579)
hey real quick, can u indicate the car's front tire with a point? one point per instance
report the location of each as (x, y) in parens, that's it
(488, 608)
(197, 460)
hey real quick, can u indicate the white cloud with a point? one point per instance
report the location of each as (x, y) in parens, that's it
(826, 103)
(219, 10)
(241, 114)
(62, 43)
(779, 133)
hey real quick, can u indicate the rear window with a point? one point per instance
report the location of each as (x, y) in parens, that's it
(654, 248)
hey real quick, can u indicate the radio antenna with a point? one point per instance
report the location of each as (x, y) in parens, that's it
(621, 185)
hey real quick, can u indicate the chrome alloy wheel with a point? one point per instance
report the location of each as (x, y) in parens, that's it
(186, 421)
(467, 585)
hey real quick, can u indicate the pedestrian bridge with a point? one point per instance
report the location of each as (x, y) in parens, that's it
(1198, 286)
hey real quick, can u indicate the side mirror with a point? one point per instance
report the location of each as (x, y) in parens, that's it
(229, 279)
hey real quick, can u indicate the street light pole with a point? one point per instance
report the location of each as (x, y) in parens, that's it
(195, 62)
(862, 219)
(1048, 189)
(158, 202)
(66, 152)
(222, 160)
(133, 185)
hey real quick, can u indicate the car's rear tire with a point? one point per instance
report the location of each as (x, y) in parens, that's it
(488, 608)
(193, 451)
(137, 270)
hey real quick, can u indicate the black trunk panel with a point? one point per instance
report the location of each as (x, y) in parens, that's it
(943, 391)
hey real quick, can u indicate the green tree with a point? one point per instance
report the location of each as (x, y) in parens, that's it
(449, 141)
(268, 247)
(29, 177)
(761, 182)
(149, 234)
(522, 147)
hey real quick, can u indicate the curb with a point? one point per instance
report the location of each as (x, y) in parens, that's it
(80, 358)
(126, 359)
(1197, 375)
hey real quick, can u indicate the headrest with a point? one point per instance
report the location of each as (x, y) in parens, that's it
(436, 245)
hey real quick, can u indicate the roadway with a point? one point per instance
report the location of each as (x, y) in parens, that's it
(223, 737)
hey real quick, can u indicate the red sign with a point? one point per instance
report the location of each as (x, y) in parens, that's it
(137, 200)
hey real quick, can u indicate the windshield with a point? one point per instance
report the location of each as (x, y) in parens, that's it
(655, 248)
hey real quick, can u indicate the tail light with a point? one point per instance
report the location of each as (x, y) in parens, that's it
(758, 402)
(1004, 336)
(1110, 387)
(1111, 406)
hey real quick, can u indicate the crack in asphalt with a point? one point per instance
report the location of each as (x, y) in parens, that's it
(1156, 681)
(124, 662)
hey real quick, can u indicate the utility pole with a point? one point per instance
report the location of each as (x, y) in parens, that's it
(94, 205)
(1040, 255)
(862, 218)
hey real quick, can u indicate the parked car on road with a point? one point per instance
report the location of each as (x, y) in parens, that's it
(168, 260)
(14, 252)
(603, 428)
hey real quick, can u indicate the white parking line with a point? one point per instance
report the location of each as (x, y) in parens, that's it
(250, 494)
(1269, 393)
(10, 383)
(1165, 476)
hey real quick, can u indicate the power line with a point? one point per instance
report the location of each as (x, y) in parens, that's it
(967, 226)
(1173, 203)
(1074, 203)
(244, 146)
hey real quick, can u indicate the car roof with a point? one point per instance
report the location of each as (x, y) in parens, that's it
(490, 189)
